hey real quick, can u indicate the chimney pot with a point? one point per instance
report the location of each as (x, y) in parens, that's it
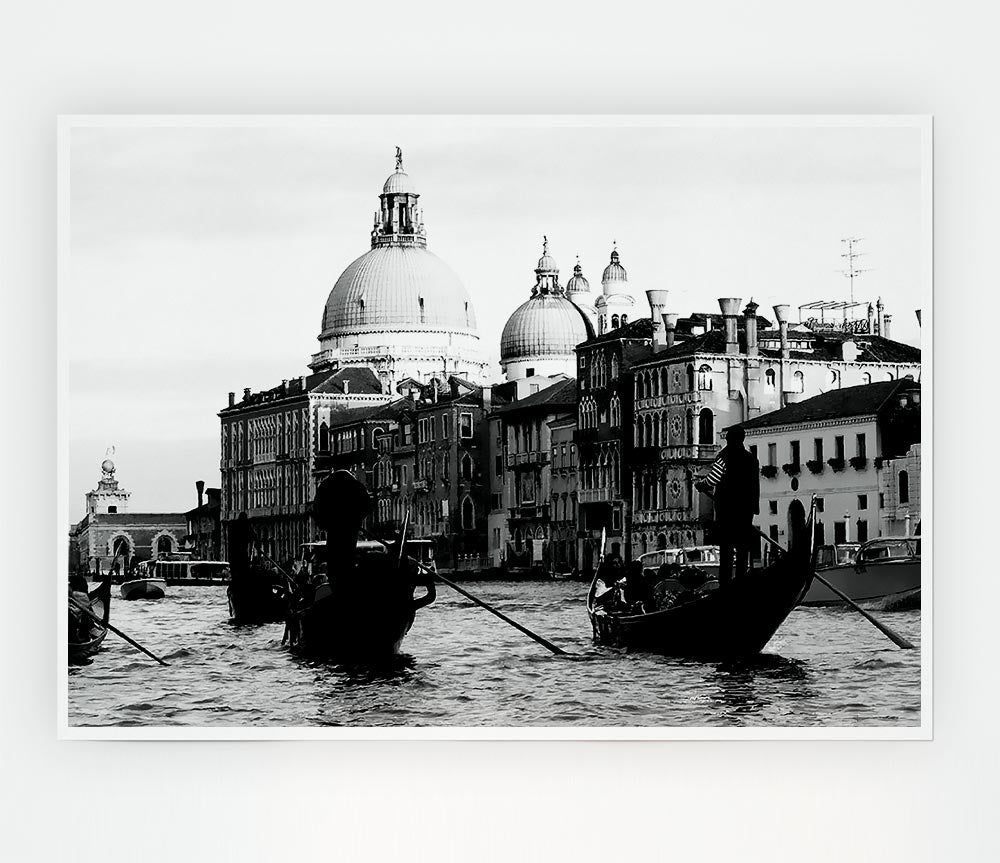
(781, 314)
(670, 325)
(657, 303)
(232, 399)
(750, 314)
(246, 393)
(730, 307)
(200, 486)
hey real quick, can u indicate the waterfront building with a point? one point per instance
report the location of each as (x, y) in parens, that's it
(853, 449)
(691, 385)
(432, 464)
(108, 529)
(398, 316)
(563, 482)
(204, 524)
(603, 438)
(540, 336)
(527, 492)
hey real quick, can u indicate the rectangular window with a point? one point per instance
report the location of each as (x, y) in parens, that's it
(444, 426)
(616, 519)
(772, 531)
(819, 504)
(820, 534)
(753, 451)
(793, 452)
(465, 425)
(498, 465)
(838, 447)
(862, 530)
(772, 454)
(818, 449)
(881, 500)
(772, 507)
(404, 474)
(862, 501)
(839, 532)
(407, 434)
(861, 447)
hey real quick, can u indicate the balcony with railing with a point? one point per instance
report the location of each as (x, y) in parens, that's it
(534, 511)
(603, 494)
(521, 459)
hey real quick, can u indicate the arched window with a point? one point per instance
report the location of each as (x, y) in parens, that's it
(614, 322)
(690, 378)
(769, 378)
(164, 545)
(661, 541)
(468, 514)
(467, 467)
(889, 376)
(904, 487)
(664, 433)
(799, 382)
(663, 382)
(324, 438)
(705, 377)
(690, 427)
(866, 378)
(706, 427)
(640, 388)
(624, 320)
(834, 378)
(518, 540)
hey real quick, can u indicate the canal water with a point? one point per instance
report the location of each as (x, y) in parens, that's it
(462, 666)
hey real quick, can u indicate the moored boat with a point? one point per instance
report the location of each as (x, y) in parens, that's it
(144, 588)
(703, 621)
(884, 572)
(85, 634)
(255, 596)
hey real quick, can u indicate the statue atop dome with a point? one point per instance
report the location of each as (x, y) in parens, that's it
(399, 159)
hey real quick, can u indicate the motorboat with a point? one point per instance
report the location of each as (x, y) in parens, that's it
(885, 570)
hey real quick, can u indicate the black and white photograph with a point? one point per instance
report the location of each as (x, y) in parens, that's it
(563, 427)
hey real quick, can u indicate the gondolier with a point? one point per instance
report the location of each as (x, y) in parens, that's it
(735, 478)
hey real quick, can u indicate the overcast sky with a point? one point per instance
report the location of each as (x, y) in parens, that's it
(201, 257)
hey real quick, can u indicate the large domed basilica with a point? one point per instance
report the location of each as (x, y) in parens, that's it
(541, 335)
(399, 309)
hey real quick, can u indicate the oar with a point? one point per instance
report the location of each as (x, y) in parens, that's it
(426, 569)
(891, 634)
(116, 631)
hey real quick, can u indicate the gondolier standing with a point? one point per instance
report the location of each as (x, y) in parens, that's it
(735, 477)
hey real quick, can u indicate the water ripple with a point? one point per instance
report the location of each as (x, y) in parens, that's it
(465, 667)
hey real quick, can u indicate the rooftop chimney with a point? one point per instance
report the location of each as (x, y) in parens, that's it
(885, 325)
(347, 387)
(781, 314)
(657, 303)
(200, 485)
(708, 323)
(284, 386)
(730, 309)
(302, 381)
(246, 393)
(232, 399)
(879, 313)
(670, 326)
(849, 350)
(750, 314)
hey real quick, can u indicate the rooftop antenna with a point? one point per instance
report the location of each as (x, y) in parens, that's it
(852, 255)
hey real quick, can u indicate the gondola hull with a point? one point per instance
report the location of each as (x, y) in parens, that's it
(737, 621)
(332, 629)
(144, 588)
(100, 604)
(255, 600)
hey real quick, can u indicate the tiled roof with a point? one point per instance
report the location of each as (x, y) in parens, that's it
(864, 400)
(558, 396)
(360, 380)
(641, 328)
(390, 411)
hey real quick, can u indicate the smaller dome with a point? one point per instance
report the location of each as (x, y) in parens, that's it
(614, 272)
(399, 183)
(546, 262)
(545, 325)
(108, 466)
(578, 283)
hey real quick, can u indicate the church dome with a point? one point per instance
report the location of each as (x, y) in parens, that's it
(398, 287)
(545, 324)
(578, 283)
(399, 183)
(614, 272)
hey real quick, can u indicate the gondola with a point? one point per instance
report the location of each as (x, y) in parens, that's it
(256, 595)
(144, 588)
(714, 623)
(90, 639)
(363, 613)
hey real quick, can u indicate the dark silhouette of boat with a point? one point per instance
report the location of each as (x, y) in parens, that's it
(87, 640)
(363, 612)
(709, 622)
(256, 593)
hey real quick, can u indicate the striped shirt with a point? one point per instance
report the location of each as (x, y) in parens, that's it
(716, 473)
